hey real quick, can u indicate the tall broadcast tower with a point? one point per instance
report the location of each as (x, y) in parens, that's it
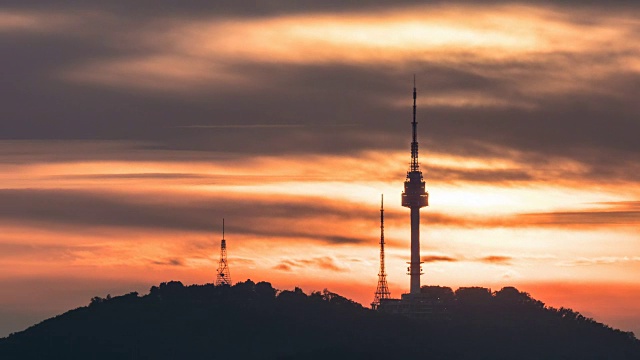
(382, 291)
(415, 197)
(223, 277)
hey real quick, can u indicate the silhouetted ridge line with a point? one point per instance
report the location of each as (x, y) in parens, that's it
(254, 320)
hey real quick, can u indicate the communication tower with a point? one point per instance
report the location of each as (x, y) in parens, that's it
(223, 277)
(382, 291)
(415, 197)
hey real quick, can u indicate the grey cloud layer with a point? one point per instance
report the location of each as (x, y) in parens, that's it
(63, 209)
(620, 213)
(490, 259)
(596, 125)
(274, 7)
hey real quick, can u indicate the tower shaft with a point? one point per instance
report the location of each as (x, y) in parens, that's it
(382, 290)
(415, 270)
(415, 197)
(223, 276)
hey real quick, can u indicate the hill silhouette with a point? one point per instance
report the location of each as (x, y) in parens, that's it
(250, 320)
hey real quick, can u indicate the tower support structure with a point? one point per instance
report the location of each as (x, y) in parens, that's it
(415, 197)
(223, 276)
(382, 290)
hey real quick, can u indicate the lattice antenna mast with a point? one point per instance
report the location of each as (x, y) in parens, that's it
(382, 290)
(223, 277)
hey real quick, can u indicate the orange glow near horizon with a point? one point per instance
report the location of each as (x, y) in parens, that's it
(494, 235)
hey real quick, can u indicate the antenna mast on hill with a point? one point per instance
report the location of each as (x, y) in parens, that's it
(382, 291)
(223, 277)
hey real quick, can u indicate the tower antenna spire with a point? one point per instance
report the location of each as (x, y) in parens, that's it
(223, 277)
(382, 290)
(414, 124)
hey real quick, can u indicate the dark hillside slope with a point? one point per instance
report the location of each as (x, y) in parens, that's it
(256, 321)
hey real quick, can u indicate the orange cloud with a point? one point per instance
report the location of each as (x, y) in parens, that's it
(437, 258)
(496, 259)
(537, 42)
(324, 263)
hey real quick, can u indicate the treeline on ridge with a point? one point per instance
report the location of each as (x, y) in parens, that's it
(254, 320)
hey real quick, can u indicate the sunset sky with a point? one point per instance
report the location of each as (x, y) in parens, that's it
(128, 131)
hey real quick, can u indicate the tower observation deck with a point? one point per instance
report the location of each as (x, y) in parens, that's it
(415, 197)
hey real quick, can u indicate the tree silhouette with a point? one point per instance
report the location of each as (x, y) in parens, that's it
(254, 320)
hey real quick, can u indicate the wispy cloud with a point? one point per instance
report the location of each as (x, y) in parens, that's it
(46, 251)
(323, 262)
(169, 262)
(438, 258)
(33, 21)
(241, 126)
(496, 259)
(602, 260)
(490, 259)
(264, 126)
(626, 213)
